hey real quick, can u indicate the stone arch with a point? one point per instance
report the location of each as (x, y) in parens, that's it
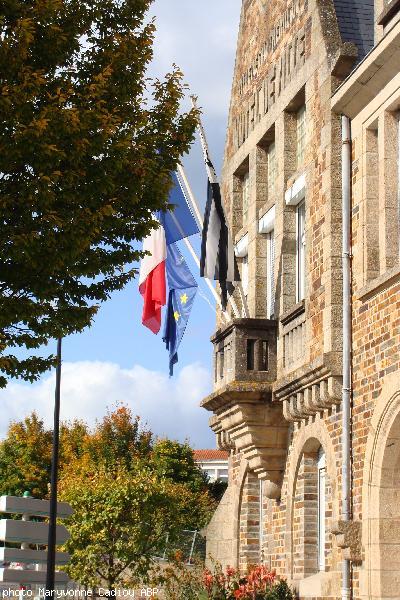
(307, 440)
(237, 506)
(380, 576)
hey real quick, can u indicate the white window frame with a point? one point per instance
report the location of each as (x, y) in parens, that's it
(267, 225)
(321, 467)
(301, 130)
(300, 250)
(241, 251)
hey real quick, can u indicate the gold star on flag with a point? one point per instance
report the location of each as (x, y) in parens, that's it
(184, 298)
(177, 316)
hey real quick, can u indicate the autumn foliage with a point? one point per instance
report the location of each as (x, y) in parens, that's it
(132, 495)
(87, 146)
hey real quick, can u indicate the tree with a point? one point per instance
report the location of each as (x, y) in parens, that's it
(176, 462)
(122, 521)
(87, 145)
(25, 458)
(25, 453)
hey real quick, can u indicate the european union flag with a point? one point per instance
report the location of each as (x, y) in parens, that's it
(179, 222)
(182, 291)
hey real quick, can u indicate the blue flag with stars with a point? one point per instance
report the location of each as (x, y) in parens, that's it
(179, 222)
(182, 292)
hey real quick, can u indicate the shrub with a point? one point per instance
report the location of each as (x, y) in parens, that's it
(183, 583)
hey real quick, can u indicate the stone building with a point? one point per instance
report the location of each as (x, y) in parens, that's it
(307, 390)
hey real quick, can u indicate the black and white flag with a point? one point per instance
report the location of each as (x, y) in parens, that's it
(218, 260)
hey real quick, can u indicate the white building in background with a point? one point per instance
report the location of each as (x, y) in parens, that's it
(213, 462)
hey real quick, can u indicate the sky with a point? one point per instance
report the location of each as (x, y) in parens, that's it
(117, 360)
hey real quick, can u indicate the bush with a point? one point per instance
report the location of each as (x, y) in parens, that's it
(183, 583)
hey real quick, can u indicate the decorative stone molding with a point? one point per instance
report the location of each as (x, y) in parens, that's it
(246, 416)
(310, 391)
(348, 537)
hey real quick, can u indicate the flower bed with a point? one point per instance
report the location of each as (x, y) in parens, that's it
(183, 582)
(259, 584)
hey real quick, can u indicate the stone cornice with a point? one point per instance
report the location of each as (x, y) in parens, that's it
(243, 391)
(379, 284)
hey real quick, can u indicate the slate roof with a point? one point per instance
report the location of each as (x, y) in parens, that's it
(356, 23)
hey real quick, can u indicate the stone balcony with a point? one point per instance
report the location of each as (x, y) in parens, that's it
(244, 414)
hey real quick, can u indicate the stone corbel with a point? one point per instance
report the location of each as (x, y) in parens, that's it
(348, 537)
(313, 399)
(343, 61)
(330, 392)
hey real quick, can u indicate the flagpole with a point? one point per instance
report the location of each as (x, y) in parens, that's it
(196, 258)
(52, 541)
(192, 199)
(213, 179)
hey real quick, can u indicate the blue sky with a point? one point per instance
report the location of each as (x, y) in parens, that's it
(117, 359)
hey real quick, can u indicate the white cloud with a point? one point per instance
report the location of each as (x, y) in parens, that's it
(169, 406)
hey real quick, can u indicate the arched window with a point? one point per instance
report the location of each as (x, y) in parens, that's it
(321, 466)
(312, 514)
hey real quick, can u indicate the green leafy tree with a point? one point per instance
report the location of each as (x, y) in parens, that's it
(87, 145)
(175, 460)
(119, 438)
(25, 458)
(123, 520)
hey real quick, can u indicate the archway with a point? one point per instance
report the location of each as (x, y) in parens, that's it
(381, 501)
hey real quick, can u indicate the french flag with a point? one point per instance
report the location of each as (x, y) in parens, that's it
(152, 281)
(174, 226)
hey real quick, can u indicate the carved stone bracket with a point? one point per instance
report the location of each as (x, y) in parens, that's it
(309, 392)
(313, 399)
(348, 537)
(245, 416)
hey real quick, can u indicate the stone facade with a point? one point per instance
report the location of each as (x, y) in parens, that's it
(277, 401)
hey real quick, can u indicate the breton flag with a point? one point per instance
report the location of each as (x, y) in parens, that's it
(217, 251)
(174, 226)
(182, 292)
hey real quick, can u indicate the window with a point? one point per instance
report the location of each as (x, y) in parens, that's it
(301, 135)
(266, 225)
(251, 347)
(300, 251)
(245, 197)
(223, 474)
(221, 362)
(321, 509)
(271, 275)
(271, 157)
(245, 274)
(211, 474)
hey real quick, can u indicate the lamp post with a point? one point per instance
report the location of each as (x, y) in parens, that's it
(51, 546)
